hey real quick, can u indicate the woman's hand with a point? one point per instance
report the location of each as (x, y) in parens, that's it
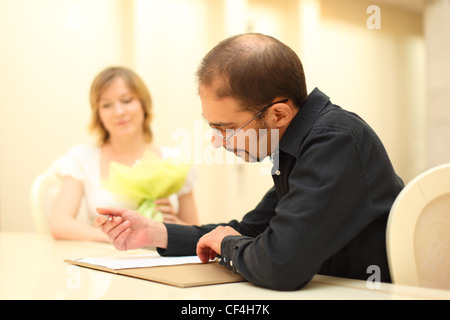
(169, 214)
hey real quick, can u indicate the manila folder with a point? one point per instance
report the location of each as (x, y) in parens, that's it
(183, 276)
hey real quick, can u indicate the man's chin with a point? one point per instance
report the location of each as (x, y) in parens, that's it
(247, 157)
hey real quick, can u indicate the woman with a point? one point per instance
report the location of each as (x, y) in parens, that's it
(121, 115)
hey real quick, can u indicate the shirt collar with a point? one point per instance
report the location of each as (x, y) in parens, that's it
(303, 121)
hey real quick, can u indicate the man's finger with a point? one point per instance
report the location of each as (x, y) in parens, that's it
(120, 240)
(213, 255)
(115, 228)
(101, 220)
(111, 211)
(203, 250)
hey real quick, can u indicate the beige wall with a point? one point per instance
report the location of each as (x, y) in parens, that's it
(379, 74)
(437, 31)
(51, 50)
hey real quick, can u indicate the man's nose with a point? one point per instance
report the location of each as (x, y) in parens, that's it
(217, 141)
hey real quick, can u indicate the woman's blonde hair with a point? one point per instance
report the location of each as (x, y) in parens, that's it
(135, 84)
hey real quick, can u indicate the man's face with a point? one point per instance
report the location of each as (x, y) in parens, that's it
(234, 129)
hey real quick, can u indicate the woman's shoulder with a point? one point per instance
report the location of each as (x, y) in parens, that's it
(83, 152)
(81, 156)
(74, 162)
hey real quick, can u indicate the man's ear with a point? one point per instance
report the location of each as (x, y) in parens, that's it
(281, 115)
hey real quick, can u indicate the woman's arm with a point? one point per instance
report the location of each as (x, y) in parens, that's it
(188, 209)
(63, 222)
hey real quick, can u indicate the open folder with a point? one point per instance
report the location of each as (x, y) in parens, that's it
(177, 271)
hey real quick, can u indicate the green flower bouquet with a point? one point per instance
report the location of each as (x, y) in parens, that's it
(150, 179)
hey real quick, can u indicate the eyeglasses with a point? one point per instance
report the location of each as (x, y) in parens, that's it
(234, 132)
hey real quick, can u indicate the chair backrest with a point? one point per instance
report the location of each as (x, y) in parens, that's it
(44, 190)
(418, 231)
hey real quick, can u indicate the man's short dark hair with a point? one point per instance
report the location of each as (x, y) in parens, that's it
(254, 69)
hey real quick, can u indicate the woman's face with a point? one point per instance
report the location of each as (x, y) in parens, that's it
(120, 110)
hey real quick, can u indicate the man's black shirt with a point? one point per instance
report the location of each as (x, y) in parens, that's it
(334, 186)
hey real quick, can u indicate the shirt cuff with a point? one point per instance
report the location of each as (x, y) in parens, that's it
(181, 240)
(229, 249)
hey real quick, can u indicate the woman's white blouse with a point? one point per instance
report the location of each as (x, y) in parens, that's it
(82, 163)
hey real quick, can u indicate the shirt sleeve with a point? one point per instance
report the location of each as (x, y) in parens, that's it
(182, 240)
(324, 208)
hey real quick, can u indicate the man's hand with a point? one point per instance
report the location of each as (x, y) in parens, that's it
(129, 230)
(208, 247)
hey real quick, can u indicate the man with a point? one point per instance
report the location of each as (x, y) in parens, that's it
(333, 181)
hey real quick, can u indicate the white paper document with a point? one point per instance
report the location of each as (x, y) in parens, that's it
(139, 261)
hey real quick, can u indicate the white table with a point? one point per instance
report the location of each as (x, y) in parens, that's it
(32, 267)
